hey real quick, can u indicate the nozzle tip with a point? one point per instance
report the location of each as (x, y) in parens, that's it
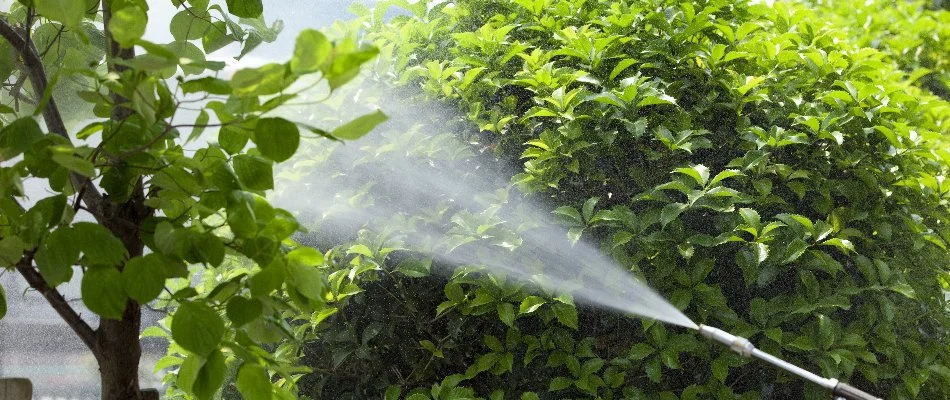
(738, 344)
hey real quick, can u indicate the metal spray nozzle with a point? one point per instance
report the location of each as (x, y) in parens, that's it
(745, 348)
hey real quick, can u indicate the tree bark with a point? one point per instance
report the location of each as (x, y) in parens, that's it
(118, 340)
(120, 352)
(115, 343)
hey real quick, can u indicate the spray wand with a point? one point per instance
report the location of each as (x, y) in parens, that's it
(745, 348)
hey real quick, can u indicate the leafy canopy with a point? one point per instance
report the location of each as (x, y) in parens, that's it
(763, 170)
(171, 159)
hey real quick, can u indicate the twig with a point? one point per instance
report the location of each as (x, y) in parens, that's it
(58, 302)
(54, 120)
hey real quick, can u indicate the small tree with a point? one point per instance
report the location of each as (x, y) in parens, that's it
(162, 212)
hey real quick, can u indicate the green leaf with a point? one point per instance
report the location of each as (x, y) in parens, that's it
(18, 137)
(305, 256)
(245, 8)
(360, 249)
(640, 351)
(346, 66)
(3, 303)
(506, 313)
(485, 362)
(57, 254)
(360, 126)
(671, 211)
(588, 208)
(393, 392)
(69, 12)
(566, 314)
(98, 245)
(188, 372)
(242, 310)
(128, 25)
(307, 279)
(699, 173)
(196, 327)
(655, 100)
(276, 138)
(216, 38)
(904, 289)
(621, 66)
(190, 24)
(560, 383)
(268, 280)
(414, 268)
(255, 173)
(723, 175)
(233, 139)
(750, 83)
(261, 81)
(311, 52)
(432, 348)
(253, 382)
(530, 304)
(75, 164)
(208, 84)
(210, 376)
(206, 247)
(591, 366)
(201, 122)
(103, 292)
(751, 217)
(454, 292)
(569, 215)
(720, 369)
(844, 245)
(11, 250)
(144, 277)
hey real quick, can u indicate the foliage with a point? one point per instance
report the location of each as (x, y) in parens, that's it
(914, 36)
(168, 204)
(762, 170)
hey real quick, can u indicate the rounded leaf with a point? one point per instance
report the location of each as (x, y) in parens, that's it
(311, 52)
(128, 25)
(253, 382)
(144, 277)
(276, 138)
(242, 310)
(210, 376)
(196, 327)
(245, 8)
(103, 292)
(69, 12)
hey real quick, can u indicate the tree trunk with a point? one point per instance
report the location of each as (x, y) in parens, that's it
(118, 340)
(119, 353)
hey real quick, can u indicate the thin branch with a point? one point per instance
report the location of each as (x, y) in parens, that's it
(51, 114)
(58, 302)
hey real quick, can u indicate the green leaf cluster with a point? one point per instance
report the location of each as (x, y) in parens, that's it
(766, 172)
(152, 204)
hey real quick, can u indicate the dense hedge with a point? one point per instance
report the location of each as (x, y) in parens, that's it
(909, 33)
(758, 167)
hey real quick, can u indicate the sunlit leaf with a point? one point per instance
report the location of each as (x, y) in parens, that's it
(69, 12)
(196, 327)
(360, 126)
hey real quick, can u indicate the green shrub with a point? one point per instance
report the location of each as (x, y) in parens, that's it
(759, 168)
(914, 36)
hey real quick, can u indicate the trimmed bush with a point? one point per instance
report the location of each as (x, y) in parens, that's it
(757, 166)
